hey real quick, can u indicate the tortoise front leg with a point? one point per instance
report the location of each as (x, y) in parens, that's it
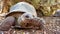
(7, 23)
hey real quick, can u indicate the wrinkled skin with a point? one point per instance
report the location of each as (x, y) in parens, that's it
(7, 23)
(29, 21)
(32, 23)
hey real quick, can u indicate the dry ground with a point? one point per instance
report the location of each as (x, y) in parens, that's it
(51, 26)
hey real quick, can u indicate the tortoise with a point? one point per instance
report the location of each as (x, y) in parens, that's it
(16, 11)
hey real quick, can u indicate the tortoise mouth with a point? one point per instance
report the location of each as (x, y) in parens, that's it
(14, 13)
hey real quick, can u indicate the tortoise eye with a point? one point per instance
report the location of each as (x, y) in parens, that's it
(27, 16)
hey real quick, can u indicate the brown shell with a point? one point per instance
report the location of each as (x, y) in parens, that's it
(15, 14)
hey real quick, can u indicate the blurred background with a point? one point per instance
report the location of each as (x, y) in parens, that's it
(43, 7)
